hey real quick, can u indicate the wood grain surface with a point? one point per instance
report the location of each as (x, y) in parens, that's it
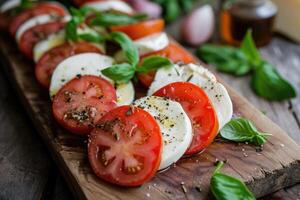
(277, 166)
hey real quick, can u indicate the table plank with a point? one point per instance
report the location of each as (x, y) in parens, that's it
(23, 158)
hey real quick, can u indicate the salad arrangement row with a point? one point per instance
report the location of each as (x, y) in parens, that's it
(90, 59)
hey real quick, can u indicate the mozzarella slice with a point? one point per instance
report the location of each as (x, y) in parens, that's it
(146, 45)
(88, 64)
(174, 124)
(45, 45)
(200, 76)
(152, 43)
(10, 4)
(116, 5)
(37, 20)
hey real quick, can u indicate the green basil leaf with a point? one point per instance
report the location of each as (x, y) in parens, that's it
(172, 10)
(248, 47)
(90, 37)
(130, 50)
(187, 5)
(225, 187)
(24, 5)
(267, 83)
(242, 130)
(227, 59)
(111, 19)
(120, 73)
(153, 63)
(71, 30)
(78, 17)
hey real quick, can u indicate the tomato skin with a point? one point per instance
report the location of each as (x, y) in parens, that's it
(140, 135)
(48, 62)
(81, 2)
(174, 52)
(5, 19)
(198, 108)
(37, 33)
(39, 9)
(83, 101)
(141, 29)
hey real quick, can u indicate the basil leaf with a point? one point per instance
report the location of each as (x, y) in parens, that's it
(24, 5)
(242, 130)
(225, 187)
(110, 19)
(268, 83)
(172, 10)
(130, 50)
(248, 47)
(153, 63)
(120, 73)
(90, 37)
(227, 59)
(71, 30)
(187, 5)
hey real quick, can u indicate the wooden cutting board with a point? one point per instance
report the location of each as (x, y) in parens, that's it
(276, 167)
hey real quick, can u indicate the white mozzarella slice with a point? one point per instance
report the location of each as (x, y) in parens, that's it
(146, 45)
(45, 45)
(88, 64)
(200, 76)
(174, 124)
(37, 20)
(152, 43)
(116, 5)
(10, 4)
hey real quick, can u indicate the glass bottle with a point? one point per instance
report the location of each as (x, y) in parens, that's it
(241, 15)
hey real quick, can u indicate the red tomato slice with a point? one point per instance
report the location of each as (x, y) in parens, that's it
(141, 29)
(125, 147)
(48, 62)
(37, 33)
(5, 19)
(174, 52)
(81, 2)
(199, 109)
(41, 8)
(82, 102)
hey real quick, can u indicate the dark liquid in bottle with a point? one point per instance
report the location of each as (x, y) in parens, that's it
(235, 27)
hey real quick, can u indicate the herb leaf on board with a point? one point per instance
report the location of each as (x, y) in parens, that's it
(225, 187)
(267, 83)
(242, 130)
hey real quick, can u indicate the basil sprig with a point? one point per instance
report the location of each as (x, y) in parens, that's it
(225, 187)
(124, 72)
(110, 19)
(153, 63)
(242, 130)
(24, 5)
(172, 9)
(266, 81)
(76, 29)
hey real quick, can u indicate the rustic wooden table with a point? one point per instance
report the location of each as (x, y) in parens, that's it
(28, 172)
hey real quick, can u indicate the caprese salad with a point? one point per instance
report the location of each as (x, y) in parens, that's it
(89, 58)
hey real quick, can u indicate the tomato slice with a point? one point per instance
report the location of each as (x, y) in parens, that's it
(141, 29)
(125, 147)
(198, 108)
(36, 34)
(82, 102)
(5, 19)
(48, 62)
(81, 2)
(39, 9)
(174, 52)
